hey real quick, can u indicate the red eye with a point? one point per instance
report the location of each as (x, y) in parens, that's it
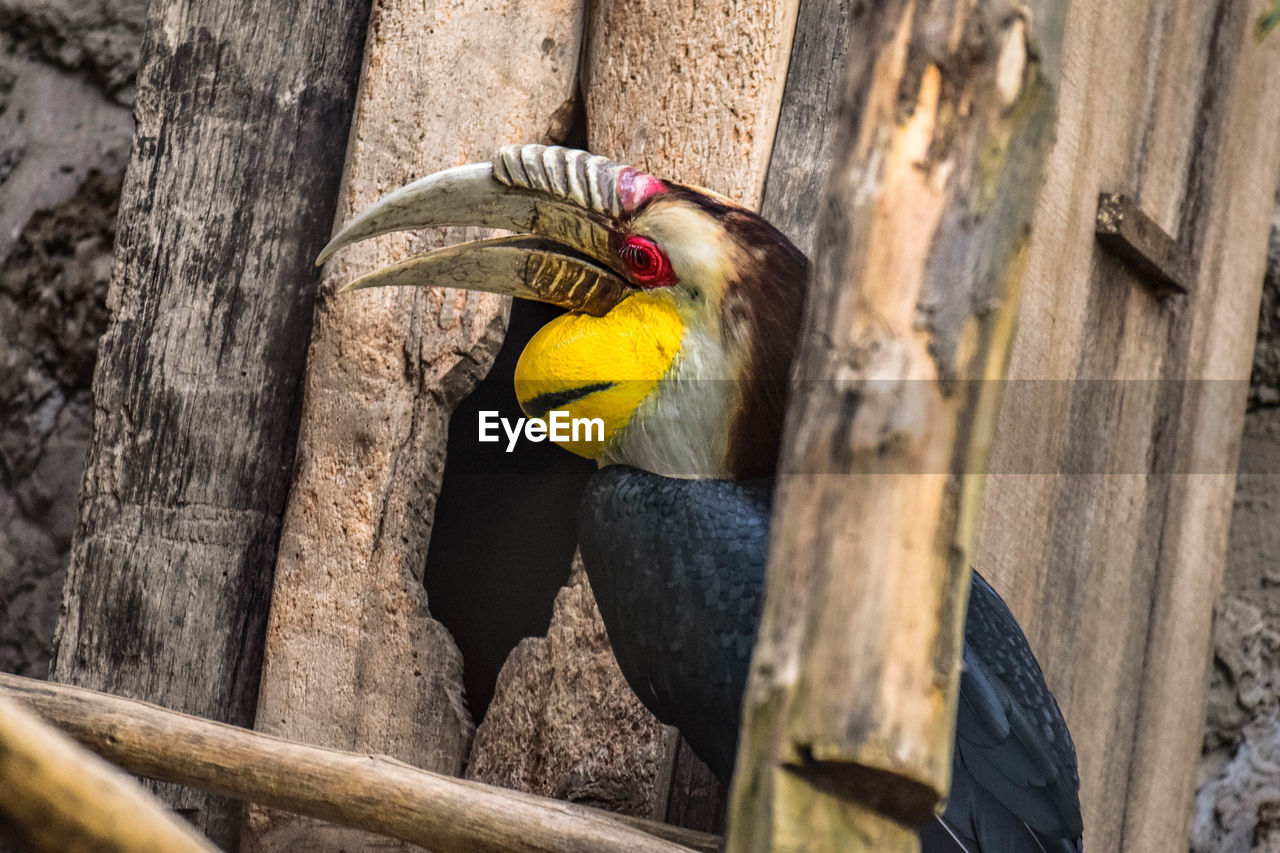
(647, 265)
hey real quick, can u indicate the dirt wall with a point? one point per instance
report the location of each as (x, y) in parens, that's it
(66, 85)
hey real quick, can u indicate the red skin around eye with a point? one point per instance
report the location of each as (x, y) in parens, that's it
(647, 265)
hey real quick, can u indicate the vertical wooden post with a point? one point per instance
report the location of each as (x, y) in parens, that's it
(231, 185)
(353, 658)
(689, 91)
(946, 120)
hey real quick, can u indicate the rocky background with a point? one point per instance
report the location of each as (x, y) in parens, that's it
(66, 87)
(1238, 806)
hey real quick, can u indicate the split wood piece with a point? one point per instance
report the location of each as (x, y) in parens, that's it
(1109, 496)
(374, 793)
(803, 145)
(233, 173)
(564, 723)
(55, 797)
(353, 658)
(849, 716)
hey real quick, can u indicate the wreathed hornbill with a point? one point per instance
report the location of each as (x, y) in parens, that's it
(684, 311)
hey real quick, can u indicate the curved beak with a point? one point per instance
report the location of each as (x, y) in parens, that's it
(565, 206)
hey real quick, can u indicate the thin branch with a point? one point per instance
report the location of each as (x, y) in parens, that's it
(59, 798)
(368, 792)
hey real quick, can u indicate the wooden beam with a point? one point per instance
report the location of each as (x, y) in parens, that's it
(354, 659)
(849, 716)
(57, 798)
(370, 792)
(232, 179)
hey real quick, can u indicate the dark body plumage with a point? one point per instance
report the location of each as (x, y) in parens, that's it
(677, 567)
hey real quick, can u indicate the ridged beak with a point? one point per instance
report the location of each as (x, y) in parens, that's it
(565, 206)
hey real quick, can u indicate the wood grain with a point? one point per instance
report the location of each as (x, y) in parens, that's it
(241, 111)
(1106, 510)
(355, 789)
(945, 123)
(58, 798)
(354, 659)
(807, 120)
(689, 90)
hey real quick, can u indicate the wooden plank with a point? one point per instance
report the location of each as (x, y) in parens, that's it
(356, 789)
(690, 92)
(354, 659)
(199, 373)
(1106, 511)
(803, 146)
(849, 716)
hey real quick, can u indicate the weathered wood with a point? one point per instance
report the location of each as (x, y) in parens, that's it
(690, 92)
(696, 798)
(1135, 238)
(353, 658)
(1106, 510)
(563, 722)
(357, 789)
(803, 145)
(849, 716)
(58, 798)
(232, 182)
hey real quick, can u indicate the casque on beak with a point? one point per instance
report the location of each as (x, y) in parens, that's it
(563, 204)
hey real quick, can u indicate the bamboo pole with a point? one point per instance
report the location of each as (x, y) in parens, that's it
(366, 792)
(850, 711)
(58, 798)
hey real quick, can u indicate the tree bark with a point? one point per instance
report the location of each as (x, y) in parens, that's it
(849, 716)
(689, 91)
(232, 182)
(354, 659)
(563, 722)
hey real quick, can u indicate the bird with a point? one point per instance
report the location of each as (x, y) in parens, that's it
(683, 314)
